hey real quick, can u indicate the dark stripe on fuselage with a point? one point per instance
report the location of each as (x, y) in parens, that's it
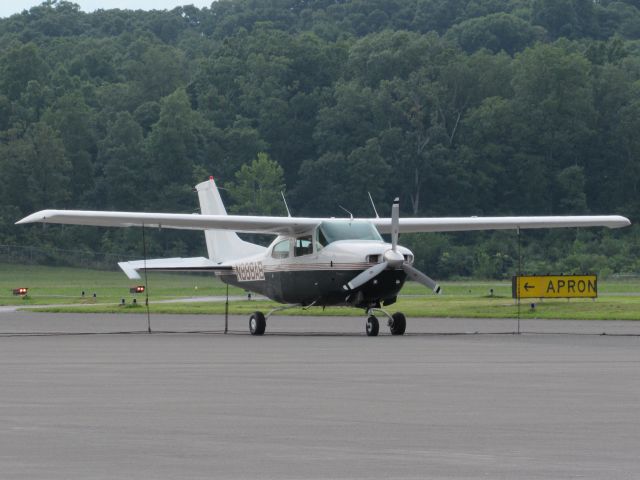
(323, 287)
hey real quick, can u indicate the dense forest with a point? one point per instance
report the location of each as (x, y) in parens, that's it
(460, 107)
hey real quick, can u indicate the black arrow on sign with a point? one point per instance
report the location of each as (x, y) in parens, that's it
(527, 287)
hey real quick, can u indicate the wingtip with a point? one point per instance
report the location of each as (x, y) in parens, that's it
(40, 216)
(621, 222)
(27, 219)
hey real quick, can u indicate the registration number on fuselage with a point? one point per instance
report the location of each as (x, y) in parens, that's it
(249, 272)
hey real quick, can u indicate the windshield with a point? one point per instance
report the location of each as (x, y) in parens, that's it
(345, 230)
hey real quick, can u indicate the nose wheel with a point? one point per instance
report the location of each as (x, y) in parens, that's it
(397, 323)
(372, 326)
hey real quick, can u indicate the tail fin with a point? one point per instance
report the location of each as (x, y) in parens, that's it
(222, 245)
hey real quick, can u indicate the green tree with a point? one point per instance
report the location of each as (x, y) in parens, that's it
(566, 18)
(257, 186)
(389, 54)
(175, 146)
(553, 100)
(74, 119)
(438, 15)
(155, 70)
(35, 170)
(320, 189)
(121, 157)
(571, 191)
(495, 32)
(19, 65)
(627, 173)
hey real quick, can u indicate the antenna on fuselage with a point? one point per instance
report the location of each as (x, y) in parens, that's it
(350, 214)
(373, 205)
(285, 203)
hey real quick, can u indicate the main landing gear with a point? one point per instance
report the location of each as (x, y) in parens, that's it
(257, 323)
(258, 320)
(397, 323)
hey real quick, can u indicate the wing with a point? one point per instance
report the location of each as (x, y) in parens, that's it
(237, 223)
(178, 264)
(294, 225)
(460, 224)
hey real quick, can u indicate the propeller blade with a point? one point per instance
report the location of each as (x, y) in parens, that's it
(365, 276)
(418, 276)
(395, 223)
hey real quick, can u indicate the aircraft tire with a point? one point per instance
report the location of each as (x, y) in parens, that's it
(399, 324)
(257, 323)
(372, 326)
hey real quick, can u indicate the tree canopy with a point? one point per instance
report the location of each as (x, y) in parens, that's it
(460, 107)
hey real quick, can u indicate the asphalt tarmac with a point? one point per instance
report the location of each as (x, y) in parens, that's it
(316, 399)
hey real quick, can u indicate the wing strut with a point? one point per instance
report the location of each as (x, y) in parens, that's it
(146, 279)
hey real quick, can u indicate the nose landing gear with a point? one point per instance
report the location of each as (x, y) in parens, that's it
(398, 323)
(372, 326)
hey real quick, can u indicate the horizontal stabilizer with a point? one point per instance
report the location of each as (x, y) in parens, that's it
(177, 264)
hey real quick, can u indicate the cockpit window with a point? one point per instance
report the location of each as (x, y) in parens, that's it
(329, 232)
(303, 246)
(281, 249)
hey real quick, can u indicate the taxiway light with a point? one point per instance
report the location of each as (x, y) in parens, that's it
(137, 289)
(20, 291)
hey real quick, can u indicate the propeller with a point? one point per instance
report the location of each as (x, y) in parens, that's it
(393, 259)
(417, 276)
(365, 276)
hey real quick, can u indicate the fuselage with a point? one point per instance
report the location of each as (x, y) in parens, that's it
(313, 268)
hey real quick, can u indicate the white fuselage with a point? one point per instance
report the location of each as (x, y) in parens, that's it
(309, 269)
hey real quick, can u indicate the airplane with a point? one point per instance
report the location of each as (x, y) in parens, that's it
(312, 261)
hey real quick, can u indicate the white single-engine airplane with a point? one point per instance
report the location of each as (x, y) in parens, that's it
(312, 261)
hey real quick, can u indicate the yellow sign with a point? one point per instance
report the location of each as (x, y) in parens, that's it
(555, 286)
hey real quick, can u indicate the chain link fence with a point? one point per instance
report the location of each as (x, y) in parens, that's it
(32, 255)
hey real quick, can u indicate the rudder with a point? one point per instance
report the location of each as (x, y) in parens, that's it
(222, 245)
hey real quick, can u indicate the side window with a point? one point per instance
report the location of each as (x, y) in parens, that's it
(281, 249)
(303, 246)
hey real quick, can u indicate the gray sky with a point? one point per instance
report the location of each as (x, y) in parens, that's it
(9, 7)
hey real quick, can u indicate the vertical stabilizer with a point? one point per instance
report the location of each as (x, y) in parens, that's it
(222, 245)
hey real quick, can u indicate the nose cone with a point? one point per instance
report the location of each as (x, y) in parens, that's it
(393, 258)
